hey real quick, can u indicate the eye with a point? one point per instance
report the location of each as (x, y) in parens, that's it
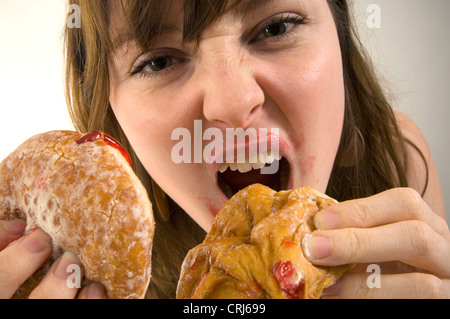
(278, 26)
(158, 63)
(153, 64)
(276, 29)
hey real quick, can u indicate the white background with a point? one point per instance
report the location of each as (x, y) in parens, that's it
(411, 51)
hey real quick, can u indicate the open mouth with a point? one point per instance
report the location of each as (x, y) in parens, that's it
(232, 177)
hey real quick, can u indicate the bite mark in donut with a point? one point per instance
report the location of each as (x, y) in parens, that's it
(99, 135)
(291, 279)
(254, 250)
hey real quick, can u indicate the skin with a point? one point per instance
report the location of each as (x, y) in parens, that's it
(237, 77)
(234, 83)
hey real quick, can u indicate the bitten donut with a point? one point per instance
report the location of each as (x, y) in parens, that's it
(254, 249)
(81, 190)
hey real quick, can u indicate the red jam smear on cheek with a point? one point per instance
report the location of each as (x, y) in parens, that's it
(99, 135)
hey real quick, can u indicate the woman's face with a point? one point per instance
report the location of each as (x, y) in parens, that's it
(278, 68)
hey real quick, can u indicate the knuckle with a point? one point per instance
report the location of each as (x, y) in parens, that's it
(360, 212)
(442, 228)
(422, 239)
(354, 245)
(413, 202)
(433, 287)
(443, 232)
(360, 289)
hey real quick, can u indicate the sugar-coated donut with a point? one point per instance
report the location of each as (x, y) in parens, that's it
(81, 190)
(254, 249)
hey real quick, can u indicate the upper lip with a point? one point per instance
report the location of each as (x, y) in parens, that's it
(257, 150)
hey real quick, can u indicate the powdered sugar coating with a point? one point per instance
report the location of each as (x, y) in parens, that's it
(88, 199)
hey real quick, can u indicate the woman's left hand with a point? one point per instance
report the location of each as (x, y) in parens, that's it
(397, 231)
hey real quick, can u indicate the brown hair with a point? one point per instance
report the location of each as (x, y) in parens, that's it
(372, 156)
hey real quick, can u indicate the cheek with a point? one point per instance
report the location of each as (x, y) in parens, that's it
(313, 100)
(143, 125)
(149, 132)
(311, 96)
(321, 88)
(319, 115)
(149, 122)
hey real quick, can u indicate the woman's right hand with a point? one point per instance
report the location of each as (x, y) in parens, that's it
(21, 256)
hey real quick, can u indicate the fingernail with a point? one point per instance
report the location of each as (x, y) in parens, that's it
(327, 220)
(36, 242)
(15, 227)
(333, 290)
(96, 291)
(62, 270)
(316, 247)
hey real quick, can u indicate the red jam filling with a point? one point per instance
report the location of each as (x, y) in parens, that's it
(195, 263)
(99, 135)
(287, 277)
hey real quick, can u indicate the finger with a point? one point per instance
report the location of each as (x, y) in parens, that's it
(21, 259)
(94, 290)
(62, 281)
(10, 231)
(391, 206)
(412, 242)
(400, 286)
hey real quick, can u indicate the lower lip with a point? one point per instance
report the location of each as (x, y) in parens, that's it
(264, 140)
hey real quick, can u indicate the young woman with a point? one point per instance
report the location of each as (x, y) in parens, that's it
(141, 70)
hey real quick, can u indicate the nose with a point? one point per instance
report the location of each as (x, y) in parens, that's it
(232, 94)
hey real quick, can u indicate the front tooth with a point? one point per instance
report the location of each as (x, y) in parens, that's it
(244, 167)
(223, 167)
(253, 159)
(276, 155)
(270, 158)
(254, 162)
(258, 165)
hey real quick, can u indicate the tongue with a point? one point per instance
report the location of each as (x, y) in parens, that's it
(238, 181)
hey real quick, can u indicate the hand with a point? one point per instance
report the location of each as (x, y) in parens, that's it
(21, 256)
(395, 229)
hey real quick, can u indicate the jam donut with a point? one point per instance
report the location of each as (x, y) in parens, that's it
(254, 249)
(81, 190)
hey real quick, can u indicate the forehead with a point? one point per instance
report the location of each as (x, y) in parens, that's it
(143, 21)
(153, 7)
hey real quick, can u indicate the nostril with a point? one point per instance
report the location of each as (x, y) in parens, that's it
(255, 109)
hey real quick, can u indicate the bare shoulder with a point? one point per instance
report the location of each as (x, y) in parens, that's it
(416, 173)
